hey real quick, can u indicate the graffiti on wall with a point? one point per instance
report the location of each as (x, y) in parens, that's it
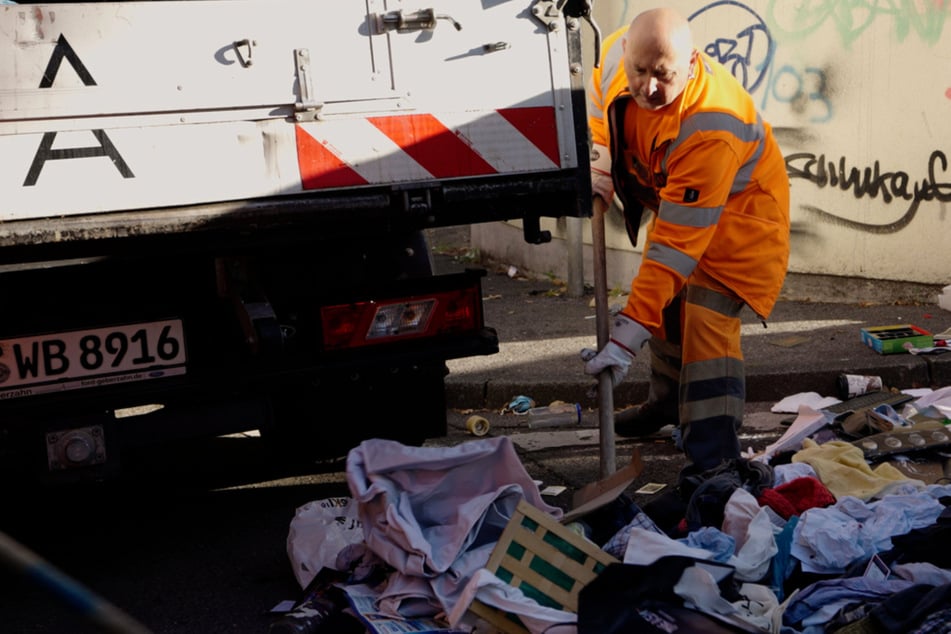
(850, 19)
(872, 182)
(749, 52)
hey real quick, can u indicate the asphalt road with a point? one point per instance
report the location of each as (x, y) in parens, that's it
(196, 543)
(193, 541)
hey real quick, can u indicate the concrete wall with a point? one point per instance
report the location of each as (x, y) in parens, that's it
(860, 96)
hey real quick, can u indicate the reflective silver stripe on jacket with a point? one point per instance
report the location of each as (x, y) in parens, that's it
(722, 122)
(689, 216)
(609, 68)
(671, 258)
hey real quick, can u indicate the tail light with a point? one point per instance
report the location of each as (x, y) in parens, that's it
(371, 322)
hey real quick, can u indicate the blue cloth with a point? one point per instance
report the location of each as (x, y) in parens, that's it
(828, 540)
(714, 540)
(782, 565)
(617, 545)
(818, 603)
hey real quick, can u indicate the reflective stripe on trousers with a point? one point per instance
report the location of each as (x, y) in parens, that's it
(697, 366)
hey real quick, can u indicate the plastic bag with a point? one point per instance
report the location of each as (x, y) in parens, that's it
(318, 532)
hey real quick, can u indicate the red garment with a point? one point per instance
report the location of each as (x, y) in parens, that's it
(796, 496)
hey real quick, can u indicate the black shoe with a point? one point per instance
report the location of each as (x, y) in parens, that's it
(640, 420)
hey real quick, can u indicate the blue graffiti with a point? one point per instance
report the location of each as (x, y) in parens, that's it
(748, 54)
(800, 90)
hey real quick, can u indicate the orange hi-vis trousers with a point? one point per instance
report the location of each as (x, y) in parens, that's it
(697, 371)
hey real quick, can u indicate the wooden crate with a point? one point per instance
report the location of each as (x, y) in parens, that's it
(545, 560)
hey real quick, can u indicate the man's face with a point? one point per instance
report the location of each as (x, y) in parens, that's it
(655, 76)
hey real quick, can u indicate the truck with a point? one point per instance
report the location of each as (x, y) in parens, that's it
(214, 214)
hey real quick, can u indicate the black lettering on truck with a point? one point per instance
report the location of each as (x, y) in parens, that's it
(64, 50)
(45, 152)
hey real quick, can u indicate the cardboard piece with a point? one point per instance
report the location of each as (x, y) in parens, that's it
(595, 495)
(789, 341)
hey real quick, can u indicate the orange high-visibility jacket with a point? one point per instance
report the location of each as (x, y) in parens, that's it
(712, 172)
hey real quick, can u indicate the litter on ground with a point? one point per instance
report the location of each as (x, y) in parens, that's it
(835, 527)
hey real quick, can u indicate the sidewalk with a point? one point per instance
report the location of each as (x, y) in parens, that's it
(804, 348)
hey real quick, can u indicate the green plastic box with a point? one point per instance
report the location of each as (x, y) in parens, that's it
(896, 339)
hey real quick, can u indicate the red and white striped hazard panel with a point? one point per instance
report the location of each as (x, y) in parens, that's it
(412, 147)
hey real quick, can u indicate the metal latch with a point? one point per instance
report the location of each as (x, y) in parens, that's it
(548, 13)
(422, 20)
(587, 14)
(307, 108)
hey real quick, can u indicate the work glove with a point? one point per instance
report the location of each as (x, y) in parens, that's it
(601, 183)
(626, 336)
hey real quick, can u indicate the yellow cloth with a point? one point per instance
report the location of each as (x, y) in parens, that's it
(842, 467)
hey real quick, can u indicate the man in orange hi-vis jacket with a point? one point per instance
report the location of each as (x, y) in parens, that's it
(673, 131)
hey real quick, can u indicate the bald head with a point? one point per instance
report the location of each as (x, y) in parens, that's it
(658, 54)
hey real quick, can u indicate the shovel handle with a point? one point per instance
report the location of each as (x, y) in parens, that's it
(603, 317)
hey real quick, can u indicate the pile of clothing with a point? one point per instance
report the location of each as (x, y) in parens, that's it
(805, 538)
(761, 548)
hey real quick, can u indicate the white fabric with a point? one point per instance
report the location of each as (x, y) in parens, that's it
(644, 547)
(424, 508)
(760, 607)
(698, 587)
(749, 524)
(922, 572)
(492, 591)
(787, 472)
(794, 403)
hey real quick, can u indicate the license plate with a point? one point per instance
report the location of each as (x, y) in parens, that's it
(90, 358)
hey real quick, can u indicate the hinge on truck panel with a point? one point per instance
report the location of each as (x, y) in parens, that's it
(306, 108)
(548, 12)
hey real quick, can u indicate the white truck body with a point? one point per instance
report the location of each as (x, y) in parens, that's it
(203, 95)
